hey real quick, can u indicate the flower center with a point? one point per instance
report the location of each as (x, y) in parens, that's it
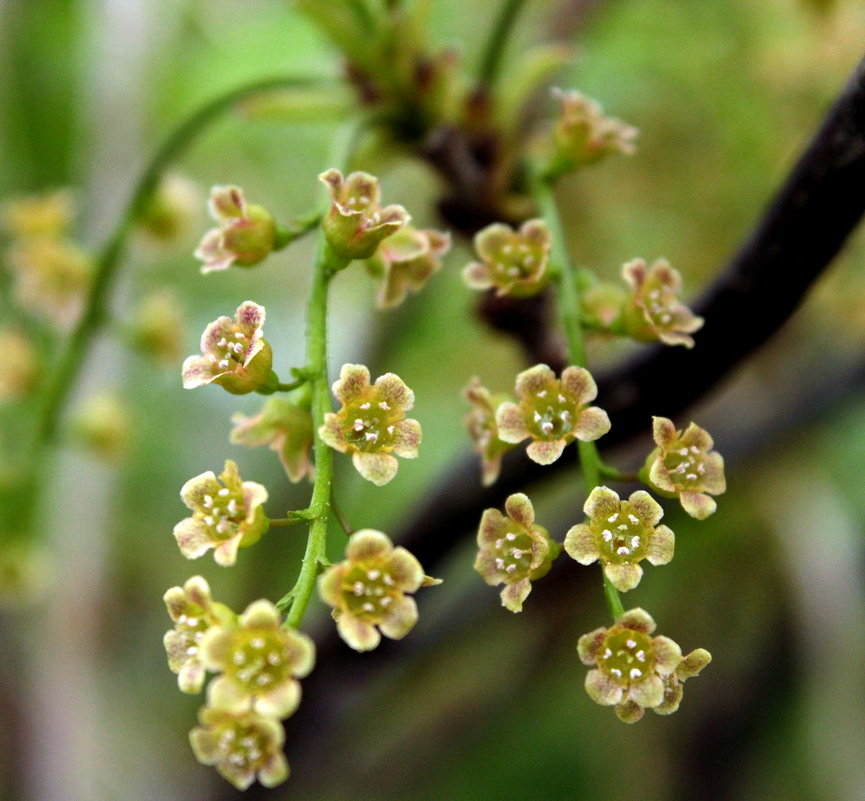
(369, 426)
(242, 747)
(223, 512)
(513, 554)
(686, 466)
(657, 305)
(515, 261)
(368, 590)
(551, 414)
(259, 661)
(230, 351)
(621, 538)
(627, 656)
(190, 630)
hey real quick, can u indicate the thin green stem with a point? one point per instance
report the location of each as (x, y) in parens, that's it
(614, 600)
(497, 42)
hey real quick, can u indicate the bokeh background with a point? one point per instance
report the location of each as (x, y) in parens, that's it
(484, 704)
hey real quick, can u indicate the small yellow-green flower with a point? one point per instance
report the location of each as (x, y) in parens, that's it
(259, 660)
(685, 465)
(654, 312)
(246, 234)
(631, 666)
(242, 747)
(620, 534)
(103, 424)
(368, 590)
(49, 214)
(513, 262)
(552, 412)
(235, 354)
(514, 550)
(286, 428)
(371, 425)
(227, 514)
(482, 428)
(172, 208)
(356, 222)
(405, 261)
(157, 325)
(21, 368)
(193, 611)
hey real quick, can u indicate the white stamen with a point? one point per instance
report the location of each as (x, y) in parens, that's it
(373, 574)
(636, 673)
(364, 405)
(623, 551)
(607, 535)
(384, 405)
(634, 519)
(631, 643)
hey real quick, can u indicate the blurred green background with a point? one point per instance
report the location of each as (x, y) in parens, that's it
(725, 92)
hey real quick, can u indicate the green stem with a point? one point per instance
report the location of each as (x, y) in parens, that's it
(614, 600)
(497, 41)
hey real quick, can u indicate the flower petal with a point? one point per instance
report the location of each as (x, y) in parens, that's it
(280, 702)
(590, 645)
(647, 693)
(637, 619)
(404, 569)
(226, 694)
(225, 554)
(192, 538)
(520, 509)
(511, 423)
(579, 384)
(393, 390)
(400, 618)
(646, 507)
(477, 275)
(490, 240)
(330, 584)
(602, 689)
(593, 423)
(663, 431)
(493, 526)
(331, 433)
(714, 481)
(602, 503)
(407, 438)
(367, 544)
(697, 504)
(534, 380)
(662, 543)
(357, 634)
(379, 468)
(580, 544)
(668, 655)
(353, 383)
(514, 594)
(545, 452)
(623, 577)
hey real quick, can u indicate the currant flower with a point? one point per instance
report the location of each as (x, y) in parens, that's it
(371, 423)
(49, 214)
(172, 208)
(286, 428)
(246, 234)
(513, 262)
(259, 660)
(405, 261)
(368, 590)
(631, 666)
(481, 425)
(155, 326)
(620, 534)
(552, 412)
(235, 354)
(356, 222)
(227, 514)
(21, 364)
(684, 464)
(690, 666)
(242, 747)
(193, 611)
(514, 550)
(653, 311)
(583, 135)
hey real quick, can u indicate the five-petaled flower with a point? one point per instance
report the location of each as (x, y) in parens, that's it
(552, 412)
(241, 746)
(246, 234)
(259, 660)
(235, 354)
(514, 550)
(620, 534)
(405, 261)
(227, 514)
(653, 312)
(356, 223)
(368, 590)
(371, 423)
(631, 666)
(193, 611)
(684, 464)
(513, 262)
(285, 427)
(482, 428)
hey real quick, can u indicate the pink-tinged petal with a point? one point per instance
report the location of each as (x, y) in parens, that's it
(520, 509)
(197, 371)
(379, 468)
(698, 504)
(685, 320)
(407, 438)
(534, 380)
(514, 594)
(693, 663)
(673, 692)
(579, 384)
(511, 423)
(647, 693)
(353, 383)
(477, 275)
(400, 618)
(226, 203)
(254, 495)
(602, 689)
(211, 251)
(590, 646)
(660, 477)
(646, 507)
(250, 316)
(192, 538)
(362, 184)
(663, 431)
(190, 679)
(673, 338)
(198, 591)
(193, 492)
(216, 647)
(602, 503)
(221, 328)
(367, 544)
(331, 433)
(492, 527)
(592, 424)
(225, 554)
(205, 745)
(545, 452)
(175, 602)
(536, 233)
(261, 614)
(301, 653)
(714, 480)
(333, 180)
(357, 634)
(662, 544)
(668, 655)
(404, 569)
(665, 275)
(638, 620)
(280, 702)
(634, 272)
(490, 240)
(630, 712)
(393, 391)
(226, 694)
(623, 577)
(697, 437)
(580, 544)
(274, 771)
(330, 584)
